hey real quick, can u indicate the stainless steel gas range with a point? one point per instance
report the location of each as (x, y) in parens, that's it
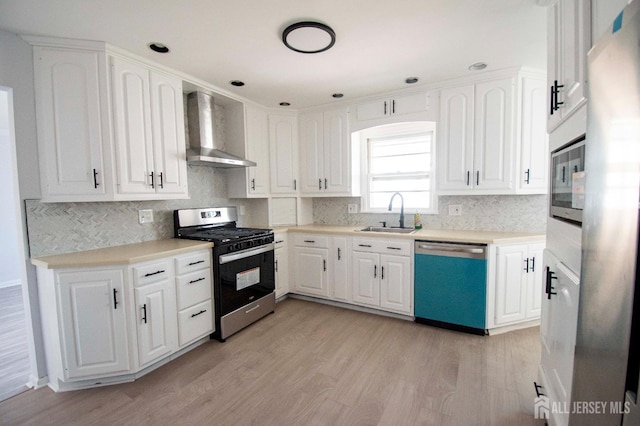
(243, 270)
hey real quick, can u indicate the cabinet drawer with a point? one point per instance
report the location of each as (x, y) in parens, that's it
(151, 272)
(193, 262)
(383, 246)
(311, 240)
(193, 288)
(195, 322)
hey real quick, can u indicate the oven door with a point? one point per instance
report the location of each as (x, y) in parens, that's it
(244, 277)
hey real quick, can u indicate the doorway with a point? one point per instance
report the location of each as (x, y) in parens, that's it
(14, 350)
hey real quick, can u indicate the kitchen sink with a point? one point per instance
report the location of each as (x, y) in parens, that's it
(388, 230)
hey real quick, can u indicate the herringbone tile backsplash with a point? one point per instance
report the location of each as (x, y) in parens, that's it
(56, 228)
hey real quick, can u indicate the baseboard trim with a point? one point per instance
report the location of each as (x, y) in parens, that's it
(513, 327)
(37, 382)
(349, 306)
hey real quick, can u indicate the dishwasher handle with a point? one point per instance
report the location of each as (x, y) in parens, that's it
(450, 250)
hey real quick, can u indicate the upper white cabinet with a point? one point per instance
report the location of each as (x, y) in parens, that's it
(492, 138)
(476, 143)
(149, 132)
(283, 148)
(325, 152)
(91, 149)
(73, 124)
(569, 39)
(396, 105)
(251, 182)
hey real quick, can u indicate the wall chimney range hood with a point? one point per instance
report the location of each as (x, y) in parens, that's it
(204, 149)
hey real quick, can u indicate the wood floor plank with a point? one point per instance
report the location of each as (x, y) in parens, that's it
(315, 364)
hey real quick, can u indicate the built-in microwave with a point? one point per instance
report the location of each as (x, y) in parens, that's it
(567, 182)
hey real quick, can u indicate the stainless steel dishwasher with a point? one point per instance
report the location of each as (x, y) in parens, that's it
(450, 285)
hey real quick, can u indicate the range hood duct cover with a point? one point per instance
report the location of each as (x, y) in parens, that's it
(203, 147)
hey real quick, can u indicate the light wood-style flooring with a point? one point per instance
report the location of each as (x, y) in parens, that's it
(313, 364)
(14, 353)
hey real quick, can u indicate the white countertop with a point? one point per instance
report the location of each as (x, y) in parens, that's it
(121, 255)
(480, 237)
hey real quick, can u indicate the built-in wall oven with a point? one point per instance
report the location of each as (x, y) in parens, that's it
(243, 266)
(567, 182)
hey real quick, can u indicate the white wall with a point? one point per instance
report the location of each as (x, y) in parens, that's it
(16, 72)
(10, 271)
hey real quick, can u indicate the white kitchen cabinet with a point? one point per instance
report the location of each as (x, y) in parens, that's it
(325, 150)
(477, 141)
(310, 257)
(534, 141)
(251, 182)
(149, 132)
(281, 266)
(380, 279)
(339, 285)
(568, 41)
(73, 124)
(93, 323)
(558, 329)
(396, 105)
(519, 276)
(283, 148)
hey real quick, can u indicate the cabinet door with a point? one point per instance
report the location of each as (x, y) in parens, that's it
(534, 162)
(170, 162)
(283, 148)
(157, 321)
(281, 259)
(340, 285)
(494, 134)
(337, 151)
(312, 153)
(132, 123)
(409, 104)
(72, 123)
(311, 271)
(94, 323)
(554, 52)
(395, 284)
(575, 38)
(510, 284)
(372, 110)
(535, 277)
(366, 281)
(455, 139)
(257, 150)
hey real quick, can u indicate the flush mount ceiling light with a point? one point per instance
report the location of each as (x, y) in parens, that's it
(308, 37)
(158, 47)
(477, 66)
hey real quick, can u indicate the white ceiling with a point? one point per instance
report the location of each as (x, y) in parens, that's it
(379, 42)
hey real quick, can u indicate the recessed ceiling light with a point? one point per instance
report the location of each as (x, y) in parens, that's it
(308, 37)
(158, 47)
(477, 66)
(285, 104)
(237, 83)
(411, 80)
(337, 95)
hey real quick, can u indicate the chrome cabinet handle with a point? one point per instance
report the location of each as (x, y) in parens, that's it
(252, 309)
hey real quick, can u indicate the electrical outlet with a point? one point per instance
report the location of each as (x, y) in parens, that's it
(353, 208)
(455, 210)
(145, 216)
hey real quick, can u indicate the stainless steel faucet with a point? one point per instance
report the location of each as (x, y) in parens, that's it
(401, 207)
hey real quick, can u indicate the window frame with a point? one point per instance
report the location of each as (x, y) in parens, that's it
(391, 130)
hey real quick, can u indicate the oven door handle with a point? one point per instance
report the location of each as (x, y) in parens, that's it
(226, 258)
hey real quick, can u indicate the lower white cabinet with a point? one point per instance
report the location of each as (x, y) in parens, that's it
(281, 263)
(93, 322)
(105, 324)
(519, 274)
(310, 257)
(339, 285)
(382, 280)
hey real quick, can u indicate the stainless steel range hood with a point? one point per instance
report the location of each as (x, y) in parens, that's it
(204, 149)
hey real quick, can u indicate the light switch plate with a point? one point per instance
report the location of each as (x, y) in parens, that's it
(353, 208)
(455, 210)
(145, 216)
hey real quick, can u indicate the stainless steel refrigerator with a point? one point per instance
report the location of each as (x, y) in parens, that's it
(607, 352)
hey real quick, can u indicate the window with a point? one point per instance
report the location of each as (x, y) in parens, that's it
(399, 158)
